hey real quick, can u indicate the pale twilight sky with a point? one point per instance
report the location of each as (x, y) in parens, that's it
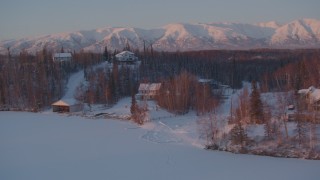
(24, 18)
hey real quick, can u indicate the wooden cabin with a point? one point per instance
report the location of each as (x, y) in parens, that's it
(66, 105)
(148, 90)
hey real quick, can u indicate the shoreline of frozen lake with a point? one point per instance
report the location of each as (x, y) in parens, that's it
(49, 146)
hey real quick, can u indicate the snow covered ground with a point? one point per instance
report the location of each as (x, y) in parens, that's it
(48, 146)
(76, 79)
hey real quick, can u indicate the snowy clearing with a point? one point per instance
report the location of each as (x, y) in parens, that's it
(48, 146)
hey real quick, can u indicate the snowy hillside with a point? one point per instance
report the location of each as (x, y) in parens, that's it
(300, 32)
(303, 33)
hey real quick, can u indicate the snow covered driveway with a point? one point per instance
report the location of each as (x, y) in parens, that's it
(39, 146)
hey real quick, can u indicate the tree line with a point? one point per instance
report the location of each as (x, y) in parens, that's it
(35, 81)
(30, 82)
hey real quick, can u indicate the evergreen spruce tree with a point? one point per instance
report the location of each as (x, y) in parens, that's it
(133, 107)
(268, 131)
(106, 54)
(239, 135)
(111, 90)
(301, 75)
(115, 81)
(256, 107)
(301, 132)
(127, 48)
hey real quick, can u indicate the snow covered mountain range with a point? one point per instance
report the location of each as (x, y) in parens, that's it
(302, 33)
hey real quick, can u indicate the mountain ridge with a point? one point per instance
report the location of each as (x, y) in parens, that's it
(301, 33)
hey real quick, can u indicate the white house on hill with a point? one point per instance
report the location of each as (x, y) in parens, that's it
(67, 105)
(62, 57)
(148, 91)
(126, 56)
(312, 96)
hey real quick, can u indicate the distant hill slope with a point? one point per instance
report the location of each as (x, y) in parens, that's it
(302, 33)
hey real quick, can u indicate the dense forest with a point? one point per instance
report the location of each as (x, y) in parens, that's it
(34, 81)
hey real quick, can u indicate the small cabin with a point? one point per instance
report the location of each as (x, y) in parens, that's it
(148, 90)
(66, 105)
(62, 57)
(126, 56)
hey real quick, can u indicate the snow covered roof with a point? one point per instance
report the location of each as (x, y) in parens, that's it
(65, 102)
(126, 52)
(312, 92)
(303, 91)
(149, 87)
(204, 80)
(62, 55)
(126, 56)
